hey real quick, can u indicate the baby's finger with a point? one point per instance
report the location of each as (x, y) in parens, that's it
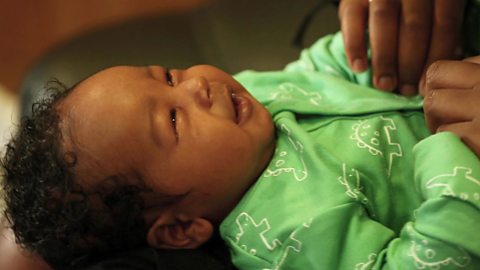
(469, 132)
(452, 74)
(446, 29)
(383, 27)
(414, 39)
(353, 19)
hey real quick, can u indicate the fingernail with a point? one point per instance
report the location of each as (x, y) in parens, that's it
(386, 83)
(408, 90)
(359, 65)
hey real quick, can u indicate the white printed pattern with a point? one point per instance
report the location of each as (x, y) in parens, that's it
(425, 257)
(368, 264)
(246, 224)
(350, 179)
(299, 174)
(369, 139)
(286, 91)
(353, 185)
(459, 172)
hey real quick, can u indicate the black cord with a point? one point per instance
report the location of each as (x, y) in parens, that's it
(298, 40)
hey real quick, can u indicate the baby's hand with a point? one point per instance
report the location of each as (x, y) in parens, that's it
(452, 99)
(405, 37)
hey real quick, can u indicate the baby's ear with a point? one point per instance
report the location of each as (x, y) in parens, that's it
(179, 234)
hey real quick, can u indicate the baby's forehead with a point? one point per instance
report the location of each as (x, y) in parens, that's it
(103, 85)
(98, 137)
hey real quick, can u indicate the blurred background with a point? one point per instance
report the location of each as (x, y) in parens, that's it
(29, 28)
(72, 39)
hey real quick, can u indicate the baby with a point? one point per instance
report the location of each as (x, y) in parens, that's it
(147, 154)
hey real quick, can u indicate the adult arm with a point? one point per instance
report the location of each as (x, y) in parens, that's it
(405, 36)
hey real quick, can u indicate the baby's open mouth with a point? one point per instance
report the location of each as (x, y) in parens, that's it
(235, 103)
(242, 107)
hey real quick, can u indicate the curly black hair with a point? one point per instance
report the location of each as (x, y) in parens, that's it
(51, 215)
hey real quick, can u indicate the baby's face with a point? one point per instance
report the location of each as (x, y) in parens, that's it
(194, 132)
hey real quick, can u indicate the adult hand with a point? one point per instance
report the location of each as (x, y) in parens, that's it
(452, 99)
(405, 37)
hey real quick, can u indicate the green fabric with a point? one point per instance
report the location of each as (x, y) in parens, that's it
(356, 182)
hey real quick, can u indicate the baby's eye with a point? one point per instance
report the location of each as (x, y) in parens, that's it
(173, 119)
(168, 77)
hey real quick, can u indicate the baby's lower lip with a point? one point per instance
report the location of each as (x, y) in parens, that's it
(242, 107)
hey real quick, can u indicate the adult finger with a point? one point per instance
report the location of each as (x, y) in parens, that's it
(469, 133)
(452, 74)
(446, 29)
(414, 38)
(383, 30)
(451, 105)
(353, 16)
(446, 33)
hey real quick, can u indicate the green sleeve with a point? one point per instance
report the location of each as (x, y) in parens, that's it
(447, 174)
(443, 235)
(445, 232)
(327, 55)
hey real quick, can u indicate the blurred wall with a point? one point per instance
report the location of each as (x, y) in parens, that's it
(28, 28)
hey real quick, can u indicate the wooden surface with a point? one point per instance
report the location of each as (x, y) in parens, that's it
(28, 28)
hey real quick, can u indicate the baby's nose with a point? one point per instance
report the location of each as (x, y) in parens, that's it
(197, 88)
